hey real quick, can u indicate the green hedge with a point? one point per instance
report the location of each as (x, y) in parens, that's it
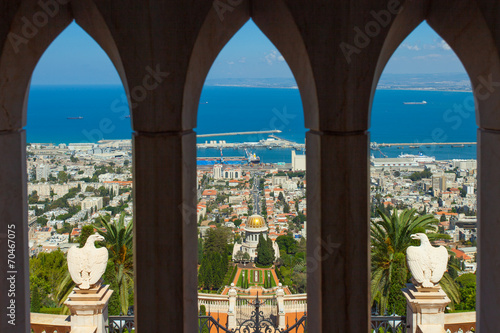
(54, 311)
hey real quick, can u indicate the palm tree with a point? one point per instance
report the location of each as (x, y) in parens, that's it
(390, 237)
(118, 241)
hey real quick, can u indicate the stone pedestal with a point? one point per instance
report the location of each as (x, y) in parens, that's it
(280, 293)
(425, 309)
(89, 309)
(231, 313)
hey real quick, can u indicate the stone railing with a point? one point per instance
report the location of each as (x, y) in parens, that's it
(234, 305)
(460, 322)
(213, 302)
(295, 303)
(49, 323)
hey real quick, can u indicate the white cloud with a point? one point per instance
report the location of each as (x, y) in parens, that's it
(427, 56)
(442, 44)
(230, 62)
(273, 56)
(411, 47)
(242, 60)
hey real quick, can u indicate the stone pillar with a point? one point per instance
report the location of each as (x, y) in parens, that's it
(14, 264)
(488, 274)
(231, 313)
(165, 235)
(89, 309)
(338, 232)
(280, 293)
(425, 309)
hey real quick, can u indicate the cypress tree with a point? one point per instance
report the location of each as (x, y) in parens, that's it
(36, 302)
(396, 300)
(265, 252)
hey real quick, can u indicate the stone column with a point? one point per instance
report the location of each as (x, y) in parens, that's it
(14, 264)
(165, 233)
(89, 309)
(488, 274)
(280, 293)
(425, 309)
(231, 313)
(338, 231)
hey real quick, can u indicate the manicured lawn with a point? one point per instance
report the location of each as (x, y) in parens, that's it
(256, 277)
(240, 279)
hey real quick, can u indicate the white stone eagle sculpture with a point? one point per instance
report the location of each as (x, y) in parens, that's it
(427, 263)
(87, 264)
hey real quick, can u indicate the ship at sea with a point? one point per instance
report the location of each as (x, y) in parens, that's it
(420, 158)
(75, 117)
(252, 158)
(415, 103)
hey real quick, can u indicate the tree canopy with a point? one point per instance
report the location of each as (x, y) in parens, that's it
(390, 237)
(265, 252)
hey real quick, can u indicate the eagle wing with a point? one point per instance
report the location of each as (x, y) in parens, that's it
(416, 262)
(439, 263)
(75, 259)
(98, 263)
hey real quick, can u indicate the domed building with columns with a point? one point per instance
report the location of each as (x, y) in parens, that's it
(255, 226)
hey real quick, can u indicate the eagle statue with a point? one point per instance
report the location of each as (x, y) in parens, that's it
(87, 264)
(427, 263)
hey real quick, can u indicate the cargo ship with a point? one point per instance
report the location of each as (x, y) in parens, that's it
(252, 158)
(75, 117)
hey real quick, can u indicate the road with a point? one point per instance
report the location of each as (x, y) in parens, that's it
(256, 193)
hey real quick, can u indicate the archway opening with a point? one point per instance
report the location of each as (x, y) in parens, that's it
(251, 184)
(79, 170)
(423, 166)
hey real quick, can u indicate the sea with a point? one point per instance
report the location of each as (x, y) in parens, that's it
(102, 113)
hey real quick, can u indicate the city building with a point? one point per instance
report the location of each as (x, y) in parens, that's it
(94, 203)
(42, 172)
(298, 162)
(254, 228)
(217, 171)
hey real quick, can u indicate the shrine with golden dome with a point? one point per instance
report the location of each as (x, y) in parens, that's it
(254, 227)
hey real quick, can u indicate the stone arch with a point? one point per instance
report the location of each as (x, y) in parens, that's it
(34, 27)
(30, 34)
(276, 22)
(464, 29)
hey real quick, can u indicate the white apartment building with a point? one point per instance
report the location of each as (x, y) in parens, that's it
(298, 162)
(42, 171)
(217, 171)
(92, 202)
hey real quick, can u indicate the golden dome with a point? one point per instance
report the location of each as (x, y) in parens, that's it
(256, 221)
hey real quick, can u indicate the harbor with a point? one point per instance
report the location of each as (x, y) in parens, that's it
(375, 145)
(272, 142)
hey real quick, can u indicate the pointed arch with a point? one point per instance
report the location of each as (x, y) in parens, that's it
(34, 27)
(276, 22)
(465, 30)
(90, 19)
(30, 34)
(408, 19)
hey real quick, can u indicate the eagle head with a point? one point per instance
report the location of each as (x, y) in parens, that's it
(420, 236)
(94, 238)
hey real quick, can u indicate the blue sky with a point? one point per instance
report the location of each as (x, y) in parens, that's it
(75, 58)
